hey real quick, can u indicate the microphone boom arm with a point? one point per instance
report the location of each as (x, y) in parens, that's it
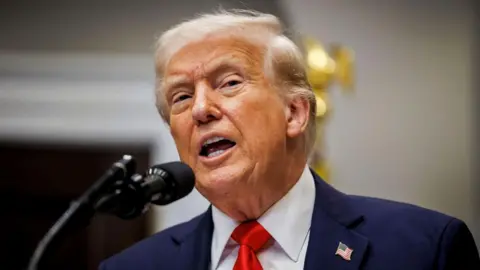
(80, 212)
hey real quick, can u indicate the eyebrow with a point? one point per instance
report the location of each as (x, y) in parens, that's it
(175, 80)
(213, 68)
(222, 64)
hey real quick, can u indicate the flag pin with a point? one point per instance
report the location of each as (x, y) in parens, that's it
(344, 251)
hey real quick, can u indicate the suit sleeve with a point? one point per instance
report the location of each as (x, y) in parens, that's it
(457, 248)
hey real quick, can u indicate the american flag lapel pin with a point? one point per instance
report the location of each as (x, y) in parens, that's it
(344, 251)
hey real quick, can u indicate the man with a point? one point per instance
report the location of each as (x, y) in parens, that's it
(234, 92)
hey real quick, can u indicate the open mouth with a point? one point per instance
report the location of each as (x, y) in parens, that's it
(216, 146)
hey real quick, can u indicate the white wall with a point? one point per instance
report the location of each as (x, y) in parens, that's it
(406, 134)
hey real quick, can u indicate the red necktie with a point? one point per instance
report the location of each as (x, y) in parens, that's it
(252, 237)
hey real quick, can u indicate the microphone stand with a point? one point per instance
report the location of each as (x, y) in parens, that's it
(80, 212)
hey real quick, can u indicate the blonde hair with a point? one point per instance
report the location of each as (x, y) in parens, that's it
(283, 60)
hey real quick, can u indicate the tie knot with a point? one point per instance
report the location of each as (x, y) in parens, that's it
(251, 234)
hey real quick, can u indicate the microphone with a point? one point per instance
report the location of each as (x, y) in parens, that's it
(168, 182)
(161, 184)
(122, 193)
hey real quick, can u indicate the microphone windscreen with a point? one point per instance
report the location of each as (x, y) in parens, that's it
(179, 178)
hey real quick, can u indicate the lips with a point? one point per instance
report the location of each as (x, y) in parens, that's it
(215, 146)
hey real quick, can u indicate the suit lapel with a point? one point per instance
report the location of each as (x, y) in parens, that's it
(195, 246)
(333, 221)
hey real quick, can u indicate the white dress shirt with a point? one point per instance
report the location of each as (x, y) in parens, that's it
(288, 222)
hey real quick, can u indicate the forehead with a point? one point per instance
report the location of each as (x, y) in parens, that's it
(211, 52)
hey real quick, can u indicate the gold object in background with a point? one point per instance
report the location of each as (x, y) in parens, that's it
(323, 68)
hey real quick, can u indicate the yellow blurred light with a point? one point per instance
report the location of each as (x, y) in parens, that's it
(331, 65)
(317, 58)
(321, 106)
(323, 68)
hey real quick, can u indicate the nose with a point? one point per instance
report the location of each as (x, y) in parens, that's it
(204, 108)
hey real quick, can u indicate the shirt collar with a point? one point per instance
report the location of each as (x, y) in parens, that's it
(294, 211)
(223, 227)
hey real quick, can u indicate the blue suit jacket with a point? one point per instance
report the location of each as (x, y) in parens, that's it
(383, 235)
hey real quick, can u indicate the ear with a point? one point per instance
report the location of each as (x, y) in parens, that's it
(297, 113)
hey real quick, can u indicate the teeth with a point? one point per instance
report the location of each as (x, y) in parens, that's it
(213, 140)
(216, 153)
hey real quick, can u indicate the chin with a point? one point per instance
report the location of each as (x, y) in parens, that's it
(222, 180)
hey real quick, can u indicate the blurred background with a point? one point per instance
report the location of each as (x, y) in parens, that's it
(76, 92)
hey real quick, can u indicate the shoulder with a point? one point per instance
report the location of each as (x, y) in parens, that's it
(400, 213)
(414, 232)
(399, 219)
(152, 251)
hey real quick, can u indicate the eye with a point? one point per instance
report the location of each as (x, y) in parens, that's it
(231, 81)
(180, 97)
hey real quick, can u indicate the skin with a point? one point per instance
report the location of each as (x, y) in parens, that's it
(216, 87)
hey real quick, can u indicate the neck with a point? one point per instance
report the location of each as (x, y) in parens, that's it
(251, 202)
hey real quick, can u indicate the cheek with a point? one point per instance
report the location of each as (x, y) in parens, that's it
(182, 133)
(261, 121)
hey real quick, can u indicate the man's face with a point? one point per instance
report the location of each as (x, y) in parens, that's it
(228, 122)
